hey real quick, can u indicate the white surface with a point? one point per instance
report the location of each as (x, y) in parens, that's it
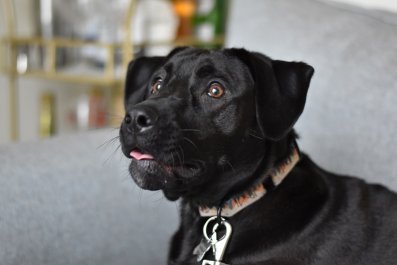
(30, 91)
(388, 5)
(2, 20)
(155, 26)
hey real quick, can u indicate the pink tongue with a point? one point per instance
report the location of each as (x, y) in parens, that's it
(139, 156)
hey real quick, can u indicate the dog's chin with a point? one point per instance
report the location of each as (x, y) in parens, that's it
(148, 174)
(174, 181)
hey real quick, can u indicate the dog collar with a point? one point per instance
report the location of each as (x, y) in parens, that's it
(273, 178)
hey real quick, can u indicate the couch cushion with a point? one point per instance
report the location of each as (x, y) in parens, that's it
(69, 201)
(350, 120)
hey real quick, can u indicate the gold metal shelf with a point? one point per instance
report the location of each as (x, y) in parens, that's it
(79, 79)
(10, 44)
(50, 46)
(108, 78)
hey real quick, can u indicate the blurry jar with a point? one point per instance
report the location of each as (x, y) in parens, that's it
(185, 10)
(155, 23)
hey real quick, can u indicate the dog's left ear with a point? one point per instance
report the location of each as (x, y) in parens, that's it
(281, 88)
(292, 81)
(139, 73)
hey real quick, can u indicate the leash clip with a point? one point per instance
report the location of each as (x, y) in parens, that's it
(219, 245)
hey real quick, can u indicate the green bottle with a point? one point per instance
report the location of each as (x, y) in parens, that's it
(209, 22)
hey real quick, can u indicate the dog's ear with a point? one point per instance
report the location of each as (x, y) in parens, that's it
(139, 73)
(279, 107)
(280, 88)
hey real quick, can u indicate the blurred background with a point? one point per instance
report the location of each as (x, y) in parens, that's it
(62, 63)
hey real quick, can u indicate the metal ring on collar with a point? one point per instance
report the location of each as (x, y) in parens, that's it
(214, 218)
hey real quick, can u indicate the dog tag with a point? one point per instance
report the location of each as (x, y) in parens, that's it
(201, 249)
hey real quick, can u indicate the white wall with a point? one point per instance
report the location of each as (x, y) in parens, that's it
(389, 5)
(30, 91)
(25, 26)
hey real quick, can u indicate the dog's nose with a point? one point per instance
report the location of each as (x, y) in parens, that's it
(142, 120)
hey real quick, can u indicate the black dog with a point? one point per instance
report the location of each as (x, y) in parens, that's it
(215, 128)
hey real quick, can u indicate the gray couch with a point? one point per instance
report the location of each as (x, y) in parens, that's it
(68, 200)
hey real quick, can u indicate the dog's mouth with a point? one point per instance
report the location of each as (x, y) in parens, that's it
(147, 158)
(154, 171)
(139, 155)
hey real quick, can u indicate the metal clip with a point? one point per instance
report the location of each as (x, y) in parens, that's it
(219, 245)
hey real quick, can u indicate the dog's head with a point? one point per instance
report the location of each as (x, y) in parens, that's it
(198, 121)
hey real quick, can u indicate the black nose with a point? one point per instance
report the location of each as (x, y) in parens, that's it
(140, 119)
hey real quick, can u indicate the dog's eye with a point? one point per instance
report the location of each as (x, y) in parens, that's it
(156, 85)
(215, 90)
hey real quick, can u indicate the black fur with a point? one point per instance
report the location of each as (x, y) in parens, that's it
(207, 149)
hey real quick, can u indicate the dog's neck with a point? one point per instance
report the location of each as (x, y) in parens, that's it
(267, 182)
(241, 178)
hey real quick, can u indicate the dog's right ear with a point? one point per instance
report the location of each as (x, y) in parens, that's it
(139, 73)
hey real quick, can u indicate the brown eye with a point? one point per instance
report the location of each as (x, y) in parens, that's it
(156, 86)
(215, 90)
